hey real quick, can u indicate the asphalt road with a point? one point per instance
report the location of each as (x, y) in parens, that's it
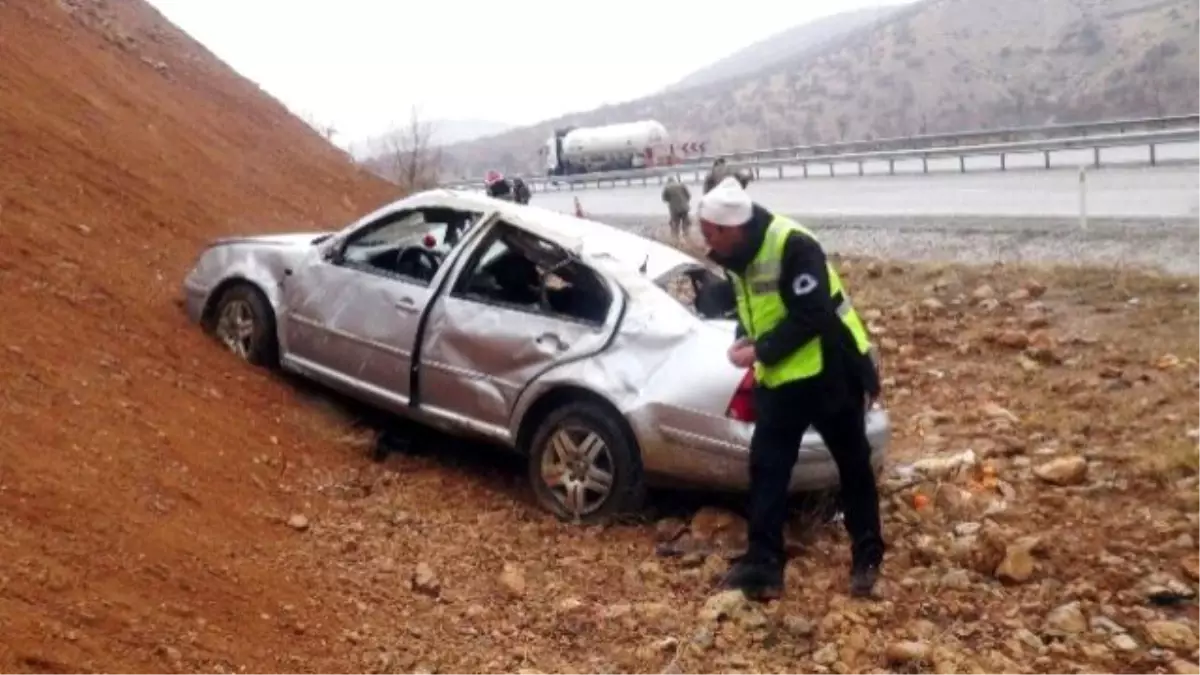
(1169, 191)
(1137, 217)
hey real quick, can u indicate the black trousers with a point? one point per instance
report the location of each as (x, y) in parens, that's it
(784, 414)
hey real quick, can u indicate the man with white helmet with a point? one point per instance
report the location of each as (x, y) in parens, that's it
(814, 366)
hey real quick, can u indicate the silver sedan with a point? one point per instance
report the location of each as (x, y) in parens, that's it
(552, 335)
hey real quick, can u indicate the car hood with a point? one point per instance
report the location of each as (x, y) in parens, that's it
(295, 239)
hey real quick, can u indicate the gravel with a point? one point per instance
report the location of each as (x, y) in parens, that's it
(1170, 246)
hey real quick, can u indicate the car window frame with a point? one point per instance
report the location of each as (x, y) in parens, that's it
(499, 228)
(337, 254)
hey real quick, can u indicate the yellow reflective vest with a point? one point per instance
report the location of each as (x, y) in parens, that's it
(760, 307)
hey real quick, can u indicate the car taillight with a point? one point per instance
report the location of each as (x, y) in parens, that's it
(741, 406)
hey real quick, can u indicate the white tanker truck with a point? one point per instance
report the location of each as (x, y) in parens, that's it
(615, 147)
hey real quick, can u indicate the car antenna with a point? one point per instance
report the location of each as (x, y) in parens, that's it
(645, 263)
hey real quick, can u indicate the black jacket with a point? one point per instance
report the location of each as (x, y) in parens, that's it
(811, 313)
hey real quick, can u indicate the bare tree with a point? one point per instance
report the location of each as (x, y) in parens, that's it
(410, 154)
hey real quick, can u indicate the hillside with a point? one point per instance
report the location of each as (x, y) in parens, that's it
(937, 66)
(136, 530)
(786, 45)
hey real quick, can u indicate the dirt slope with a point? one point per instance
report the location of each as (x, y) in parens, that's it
(125, 468)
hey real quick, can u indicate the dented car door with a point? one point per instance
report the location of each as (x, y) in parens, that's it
(489, 335)
(352, 316)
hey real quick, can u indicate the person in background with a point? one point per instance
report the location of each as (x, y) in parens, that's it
(744, 176)
(497, 186)
(813, 365)
(521, 191)
(715, 175)
(721, 170)
(679, 202)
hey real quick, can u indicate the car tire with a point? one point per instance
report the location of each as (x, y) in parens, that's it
(569, 489)
(244, 322)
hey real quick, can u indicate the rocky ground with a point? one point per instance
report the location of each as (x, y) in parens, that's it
(1040, 505)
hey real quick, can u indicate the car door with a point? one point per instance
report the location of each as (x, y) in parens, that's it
(486, 339)
(352, 313)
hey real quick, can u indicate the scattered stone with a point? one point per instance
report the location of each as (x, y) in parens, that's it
(1070, 470)
(512, 580)
(298, 522)
(1013, 339)
(996, 411)
(798, 626)
(703, 638)
(938, 467)
(1191, 567)
(424, 581)
(1067, 619)
(983, 292)
(1181, 667)
(826, 655)
(1123, 643)
(957, 579)
(1171, 635)
(723, 605)
(1017, 566)
(570, 605)
(907, 652)
(1163, 589)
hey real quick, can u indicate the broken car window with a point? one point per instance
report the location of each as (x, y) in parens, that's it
(520, 271)
(700, 289)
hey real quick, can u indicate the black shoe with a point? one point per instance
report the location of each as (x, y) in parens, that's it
(757, 580)
(862, 580)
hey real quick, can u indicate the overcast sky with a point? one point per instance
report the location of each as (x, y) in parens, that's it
(361, 64)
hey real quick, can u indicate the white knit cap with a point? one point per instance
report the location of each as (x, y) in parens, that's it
(726, 205)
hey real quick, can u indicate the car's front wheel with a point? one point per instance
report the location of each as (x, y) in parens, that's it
(583, 466)
(244, 323)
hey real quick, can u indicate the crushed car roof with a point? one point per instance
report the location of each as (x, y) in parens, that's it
(586, 238)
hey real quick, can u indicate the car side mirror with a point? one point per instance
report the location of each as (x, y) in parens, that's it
(333, 254)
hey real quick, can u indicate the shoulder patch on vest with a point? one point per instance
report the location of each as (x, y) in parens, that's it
(804, 284)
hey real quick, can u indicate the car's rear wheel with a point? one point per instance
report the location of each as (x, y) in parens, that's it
(583, 465)
(244, 323)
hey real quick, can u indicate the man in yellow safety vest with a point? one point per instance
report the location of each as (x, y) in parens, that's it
(814, 366)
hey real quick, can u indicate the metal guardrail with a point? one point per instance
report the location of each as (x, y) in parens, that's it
(1010, 134)
(1149, 139)
(949, 141)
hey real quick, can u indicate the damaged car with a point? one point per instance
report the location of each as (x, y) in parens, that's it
(559, 337)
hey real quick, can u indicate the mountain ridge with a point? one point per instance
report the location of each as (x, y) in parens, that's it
(933, 66)
(782, 46)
